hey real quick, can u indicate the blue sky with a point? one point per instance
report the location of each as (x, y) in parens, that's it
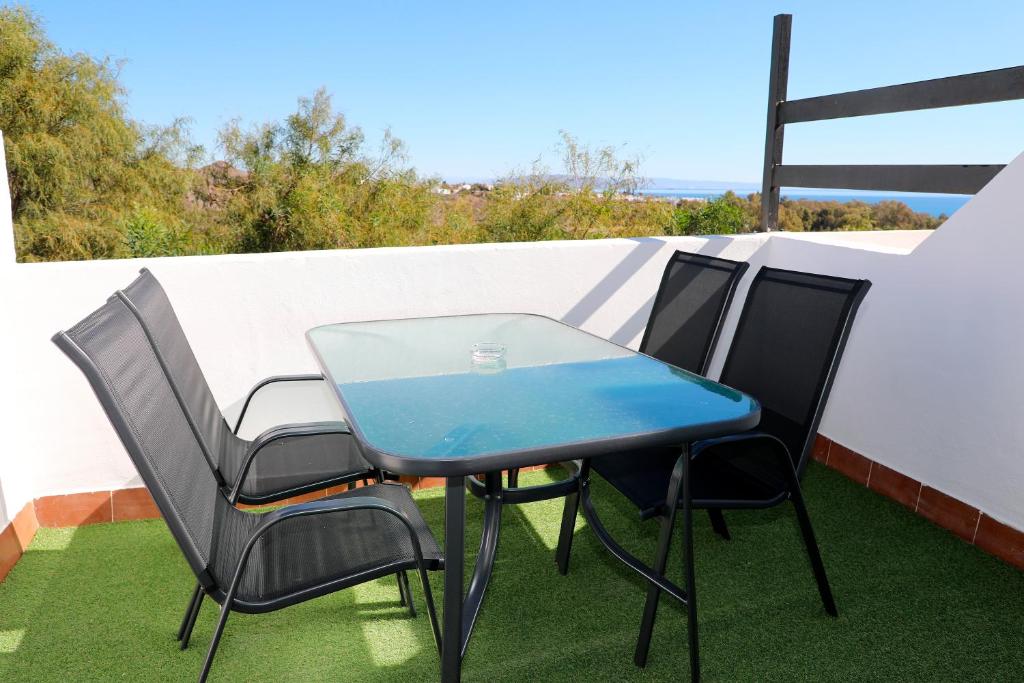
(477, 89)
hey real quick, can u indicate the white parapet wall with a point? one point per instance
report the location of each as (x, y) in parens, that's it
(16, 480)
(931, 382)
(928, 386)
(246, 317)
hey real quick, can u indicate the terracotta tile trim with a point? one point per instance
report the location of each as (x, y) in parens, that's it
(15, 537)
(949, 513)
(95, 507)
(80, 509)
(895, 485)
(129, 504)
(1000, 540)
(851, 463)
(966, 521)
(75, 509)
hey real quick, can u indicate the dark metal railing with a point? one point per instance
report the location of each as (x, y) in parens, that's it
(999, 85)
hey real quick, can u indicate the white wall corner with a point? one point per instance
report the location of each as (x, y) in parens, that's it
(8, 255)
(12, 495)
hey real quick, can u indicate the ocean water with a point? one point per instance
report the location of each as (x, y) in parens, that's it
(934, 204)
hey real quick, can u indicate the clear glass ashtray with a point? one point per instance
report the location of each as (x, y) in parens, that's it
(488, 356)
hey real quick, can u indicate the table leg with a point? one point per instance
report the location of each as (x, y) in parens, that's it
(485, 558)
(454, 562)
(691, 584)
(460, 613)
(678, 492)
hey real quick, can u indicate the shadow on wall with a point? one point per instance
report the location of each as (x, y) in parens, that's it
(647, 249)
(934, 356)
(635, 324)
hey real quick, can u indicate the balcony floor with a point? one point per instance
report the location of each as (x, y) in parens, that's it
(916, 603)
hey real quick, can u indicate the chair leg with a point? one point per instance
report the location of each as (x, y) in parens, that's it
(428, 597)
(691, 583)
(643, 644)
(824, 589)
(718, 523)
(217, 633)
(401, 590)
(678, 485)
(513, 478)
(191, 623)
(188, 611)
(406, 591)
(565, 536)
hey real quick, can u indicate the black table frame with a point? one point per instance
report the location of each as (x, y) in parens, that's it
(461, 607)
(461, 612)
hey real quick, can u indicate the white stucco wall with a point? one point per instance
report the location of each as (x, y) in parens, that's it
(246, 317)
(928, 384)
(16, 481)
(931, 381)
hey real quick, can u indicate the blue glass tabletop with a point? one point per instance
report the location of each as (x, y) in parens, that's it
(465, 394)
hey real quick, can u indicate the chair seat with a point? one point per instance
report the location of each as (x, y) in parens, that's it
(289, 466)
(733, 472)
(309, 552)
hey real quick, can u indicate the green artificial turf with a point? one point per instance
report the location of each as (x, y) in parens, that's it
(103, 603)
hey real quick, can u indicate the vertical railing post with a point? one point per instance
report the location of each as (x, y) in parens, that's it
(778, 81)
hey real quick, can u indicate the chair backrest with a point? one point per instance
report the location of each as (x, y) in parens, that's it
(146, 298)
(692, 300)
(112, 350)
(787, 347)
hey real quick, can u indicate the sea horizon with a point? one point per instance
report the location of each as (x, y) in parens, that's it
(932, 204)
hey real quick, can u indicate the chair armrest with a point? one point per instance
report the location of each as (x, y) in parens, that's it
(289, 431)
(778, 446)
(298, 429)
(272, 380)
(778, 450)
(330, 505)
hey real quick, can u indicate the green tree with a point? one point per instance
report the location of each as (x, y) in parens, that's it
(77, 165)
(147, 233)
(310, 184)
(89, 182)
(723, 215)
(580, 203)
(66, 135)
(597, 179)
(524, 208)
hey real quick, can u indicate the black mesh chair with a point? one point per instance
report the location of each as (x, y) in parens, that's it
(785, 353)
(244, 561)
(687, 315)
(686, 319)
(282, 462)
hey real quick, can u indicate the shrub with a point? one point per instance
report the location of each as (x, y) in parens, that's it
(721, 216)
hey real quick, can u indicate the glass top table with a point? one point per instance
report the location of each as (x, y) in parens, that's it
(421, 402)
(462, 395)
